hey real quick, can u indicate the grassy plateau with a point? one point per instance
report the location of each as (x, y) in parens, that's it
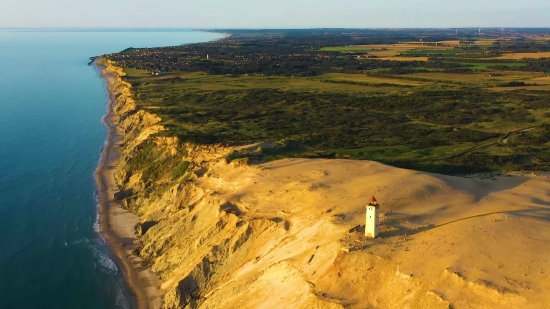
(437, 106)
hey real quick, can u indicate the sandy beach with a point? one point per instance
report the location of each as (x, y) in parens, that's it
(116, 223)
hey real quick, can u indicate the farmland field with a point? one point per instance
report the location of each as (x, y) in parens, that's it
(519, 56)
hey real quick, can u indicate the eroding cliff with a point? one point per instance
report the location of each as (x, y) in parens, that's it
(287, 234)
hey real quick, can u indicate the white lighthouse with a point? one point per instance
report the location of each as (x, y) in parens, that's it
(372, 221)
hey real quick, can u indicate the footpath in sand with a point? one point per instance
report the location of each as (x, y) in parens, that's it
(445, 242)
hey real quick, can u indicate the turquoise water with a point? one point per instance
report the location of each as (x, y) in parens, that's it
(51, 136)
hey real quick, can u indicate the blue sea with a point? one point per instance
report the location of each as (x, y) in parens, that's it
(51, 135)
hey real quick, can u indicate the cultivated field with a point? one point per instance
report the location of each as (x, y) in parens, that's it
(519, 56)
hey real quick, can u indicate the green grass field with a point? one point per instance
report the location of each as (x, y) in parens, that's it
(486, 65)
(362, 49)
(419, 115)
(423, 52)
(381, 119)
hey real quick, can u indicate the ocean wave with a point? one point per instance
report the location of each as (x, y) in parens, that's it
(96, 226)
(100, 252)
(120, 299)
(81, 241)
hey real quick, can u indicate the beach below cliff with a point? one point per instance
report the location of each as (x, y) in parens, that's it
(117, 224)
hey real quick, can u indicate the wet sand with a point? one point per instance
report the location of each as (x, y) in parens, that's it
(116, 223)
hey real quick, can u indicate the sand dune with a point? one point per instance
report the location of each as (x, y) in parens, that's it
(445, 240)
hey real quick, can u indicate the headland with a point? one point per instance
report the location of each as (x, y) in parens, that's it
(231, 214)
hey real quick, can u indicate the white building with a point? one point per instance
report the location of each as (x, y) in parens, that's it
(372, 221)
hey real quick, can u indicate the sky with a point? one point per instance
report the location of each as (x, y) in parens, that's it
(273, 14)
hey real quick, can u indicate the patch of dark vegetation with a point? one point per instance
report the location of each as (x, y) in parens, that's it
(181, 169)
(333, 120)
(515, 84)
(346, 82)
(155, 164)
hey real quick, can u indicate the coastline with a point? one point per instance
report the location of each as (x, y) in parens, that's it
(289, 232)
(116, 223)
(225, 34)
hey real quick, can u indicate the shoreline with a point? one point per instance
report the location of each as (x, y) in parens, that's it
(225, 34)
(116, 223)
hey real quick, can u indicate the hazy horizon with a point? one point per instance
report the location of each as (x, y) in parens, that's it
(260, 28)
(282, 14)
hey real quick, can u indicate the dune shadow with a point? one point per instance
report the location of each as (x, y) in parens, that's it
(200, 172)
(480, 189)
(230, 208)
(396, 220)
(537, 213)
(126, 241)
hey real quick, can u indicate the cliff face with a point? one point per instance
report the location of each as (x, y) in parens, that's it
(277, 235)
(202, 248)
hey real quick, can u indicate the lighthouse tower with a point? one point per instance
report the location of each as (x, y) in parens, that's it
(372, 221)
